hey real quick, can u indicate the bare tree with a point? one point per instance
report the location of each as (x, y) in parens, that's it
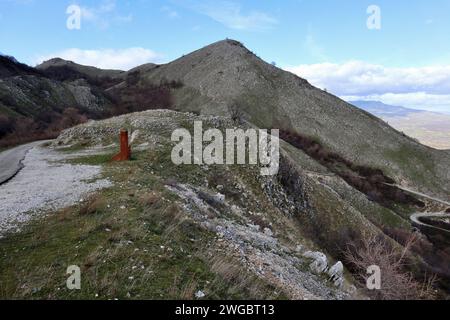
(236, 114)
(72, 117)
(397, 283)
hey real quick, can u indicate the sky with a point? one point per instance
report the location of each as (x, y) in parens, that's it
(397, 52)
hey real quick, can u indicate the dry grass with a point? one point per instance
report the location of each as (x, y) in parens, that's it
(186, 292)
(231, 272)
(92, 205)
(148, 199)
(228, 270)
(174, 219)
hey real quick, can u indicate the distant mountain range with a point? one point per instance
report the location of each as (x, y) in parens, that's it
(430, 128)
(381, 109)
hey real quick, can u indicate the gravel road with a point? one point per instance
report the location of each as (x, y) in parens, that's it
(45, 184)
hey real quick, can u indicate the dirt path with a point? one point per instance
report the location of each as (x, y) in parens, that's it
(447, 203)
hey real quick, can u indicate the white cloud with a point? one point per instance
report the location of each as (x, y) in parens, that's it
(314, 49)
(420, 87)
(170, 12)
(107, 6)
(104, 14)
(121, 59)
(357, 77)
(230, 15)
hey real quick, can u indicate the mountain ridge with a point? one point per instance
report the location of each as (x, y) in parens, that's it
(227, 79)
(225, 75)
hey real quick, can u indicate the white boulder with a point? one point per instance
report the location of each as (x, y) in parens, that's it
(320, 261)
(336, 274)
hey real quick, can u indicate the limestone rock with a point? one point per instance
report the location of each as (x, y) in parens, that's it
(336, 273)
(320, 261)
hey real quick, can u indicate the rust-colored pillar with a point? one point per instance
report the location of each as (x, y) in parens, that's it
(125, 150)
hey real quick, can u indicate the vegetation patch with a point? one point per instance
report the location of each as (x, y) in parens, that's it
(372, 182)
(93, 160)
(396, 282)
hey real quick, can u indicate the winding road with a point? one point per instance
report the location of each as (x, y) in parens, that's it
(447, 203)
(11, 160)
(416, 219)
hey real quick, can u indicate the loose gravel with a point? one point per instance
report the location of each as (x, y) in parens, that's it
(45, 183)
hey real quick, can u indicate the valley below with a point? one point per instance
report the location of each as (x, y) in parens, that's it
(429, 128)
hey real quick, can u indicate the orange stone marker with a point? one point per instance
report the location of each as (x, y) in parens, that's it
(125, 150)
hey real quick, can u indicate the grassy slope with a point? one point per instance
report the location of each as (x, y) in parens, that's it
(126, 246)
(122, 230)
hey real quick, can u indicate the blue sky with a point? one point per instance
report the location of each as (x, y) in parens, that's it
(405, 62)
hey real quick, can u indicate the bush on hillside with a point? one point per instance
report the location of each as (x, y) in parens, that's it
(397, 283)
